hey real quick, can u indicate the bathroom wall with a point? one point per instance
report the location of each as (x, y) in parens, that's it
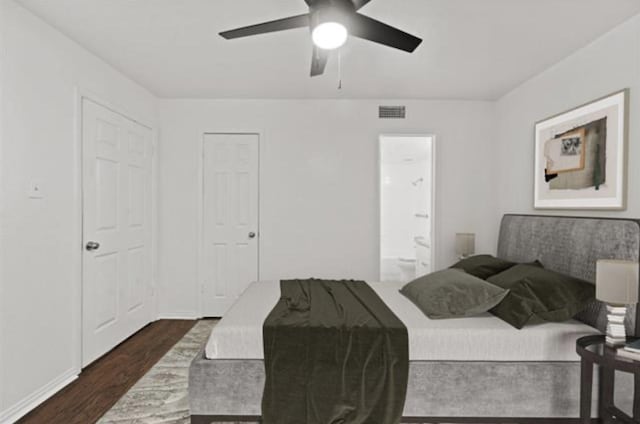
(401, 201)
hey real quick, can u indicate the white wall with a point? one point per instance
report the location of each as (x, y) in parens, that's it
(39, 278)
(2, 203)
(319, 194)
(607, 65)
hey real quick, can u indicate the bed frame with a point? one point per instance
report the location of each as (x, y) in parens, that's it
(470, 391)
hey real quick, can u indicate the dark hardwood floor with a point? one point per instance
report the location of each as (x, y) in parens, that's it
(102, 383)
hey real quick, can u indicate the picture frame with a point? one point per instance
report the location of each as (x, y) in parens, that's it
(581, 156)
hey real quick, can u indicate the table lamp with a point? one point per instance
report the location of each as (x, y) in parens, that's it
(617, 285)
(465, 244)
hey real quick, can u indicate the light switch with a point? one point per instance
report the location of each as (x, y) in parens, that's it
(36, 191)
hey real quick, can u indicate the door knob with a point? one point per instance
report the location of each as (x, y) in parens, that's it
(252, 235)
(92, 245)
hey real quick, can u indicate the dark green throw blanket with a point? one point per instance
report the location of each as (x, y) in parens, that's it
(334, 353)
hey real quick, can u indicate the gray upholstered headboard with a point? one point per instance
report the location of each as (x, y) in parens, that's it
(571, 245)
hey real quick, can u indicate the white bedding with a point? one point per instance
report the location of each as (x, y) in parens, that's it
(482, 338)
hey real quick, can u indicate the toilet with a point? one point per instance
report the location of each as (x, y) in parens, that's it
(407, 268)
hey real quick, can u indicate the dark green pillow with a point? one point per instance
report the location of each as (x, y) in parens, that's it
(483, 266)
(511, 276)
(452, 293)
(537, 294)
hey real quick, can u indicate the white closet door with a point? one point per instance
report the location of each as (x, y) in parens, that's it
(230, 218)
(116, 182)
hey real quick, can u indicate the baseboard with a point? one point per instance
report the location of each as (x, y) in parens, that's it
(23, 407)
(179, 315)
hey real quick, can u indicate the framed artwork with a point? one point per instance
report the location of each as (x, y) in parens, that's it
(580, 156)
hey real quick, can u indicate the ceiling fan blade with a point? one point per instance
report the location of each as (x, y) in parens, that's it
(359, 4)
(365, 27)
(318, 61)
(292, 22)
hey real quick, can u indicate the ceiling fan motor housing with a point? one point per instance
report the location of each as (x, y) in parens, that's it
(325, 11)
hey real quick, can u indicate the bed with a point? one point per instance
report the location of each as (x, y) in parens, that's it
(476, 369)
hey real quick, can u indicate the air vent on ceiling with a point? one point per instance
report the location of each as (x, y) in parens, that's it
(392, 112)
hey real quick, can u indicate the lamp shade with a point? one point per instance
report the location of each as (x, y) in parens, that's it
(465, 244)
(617, 281)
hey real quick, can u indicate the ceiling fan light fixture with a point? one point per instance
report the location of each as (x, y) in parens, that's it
(329, 35)
(331, 23)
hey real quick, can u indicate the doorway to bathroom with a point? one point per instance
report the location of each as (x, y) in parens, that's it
(407, 170)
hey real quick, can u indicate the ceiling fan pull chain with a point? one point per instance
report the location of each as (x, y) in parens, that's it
(339, 69)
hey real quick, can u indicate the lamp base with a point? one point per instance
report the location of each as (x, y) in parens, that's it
(616, 333)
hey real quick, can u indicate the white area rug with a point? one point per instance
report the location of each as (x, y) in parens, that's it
(161, 395)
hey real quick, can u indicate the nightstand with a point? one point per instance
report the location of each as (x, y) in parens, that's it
(593, 350)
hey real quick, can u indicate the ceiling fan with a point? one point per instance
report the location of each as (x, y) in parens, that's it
(331, 22)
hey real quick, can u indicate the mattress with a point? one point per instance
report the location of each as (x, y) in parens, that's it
(485, 337)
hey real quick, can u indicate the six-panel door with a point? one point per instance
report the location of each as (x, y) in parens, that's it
(116, 182)
(230, 218)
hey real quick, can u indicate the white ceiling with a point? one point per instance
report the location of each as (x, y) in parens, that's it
(472, 49)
